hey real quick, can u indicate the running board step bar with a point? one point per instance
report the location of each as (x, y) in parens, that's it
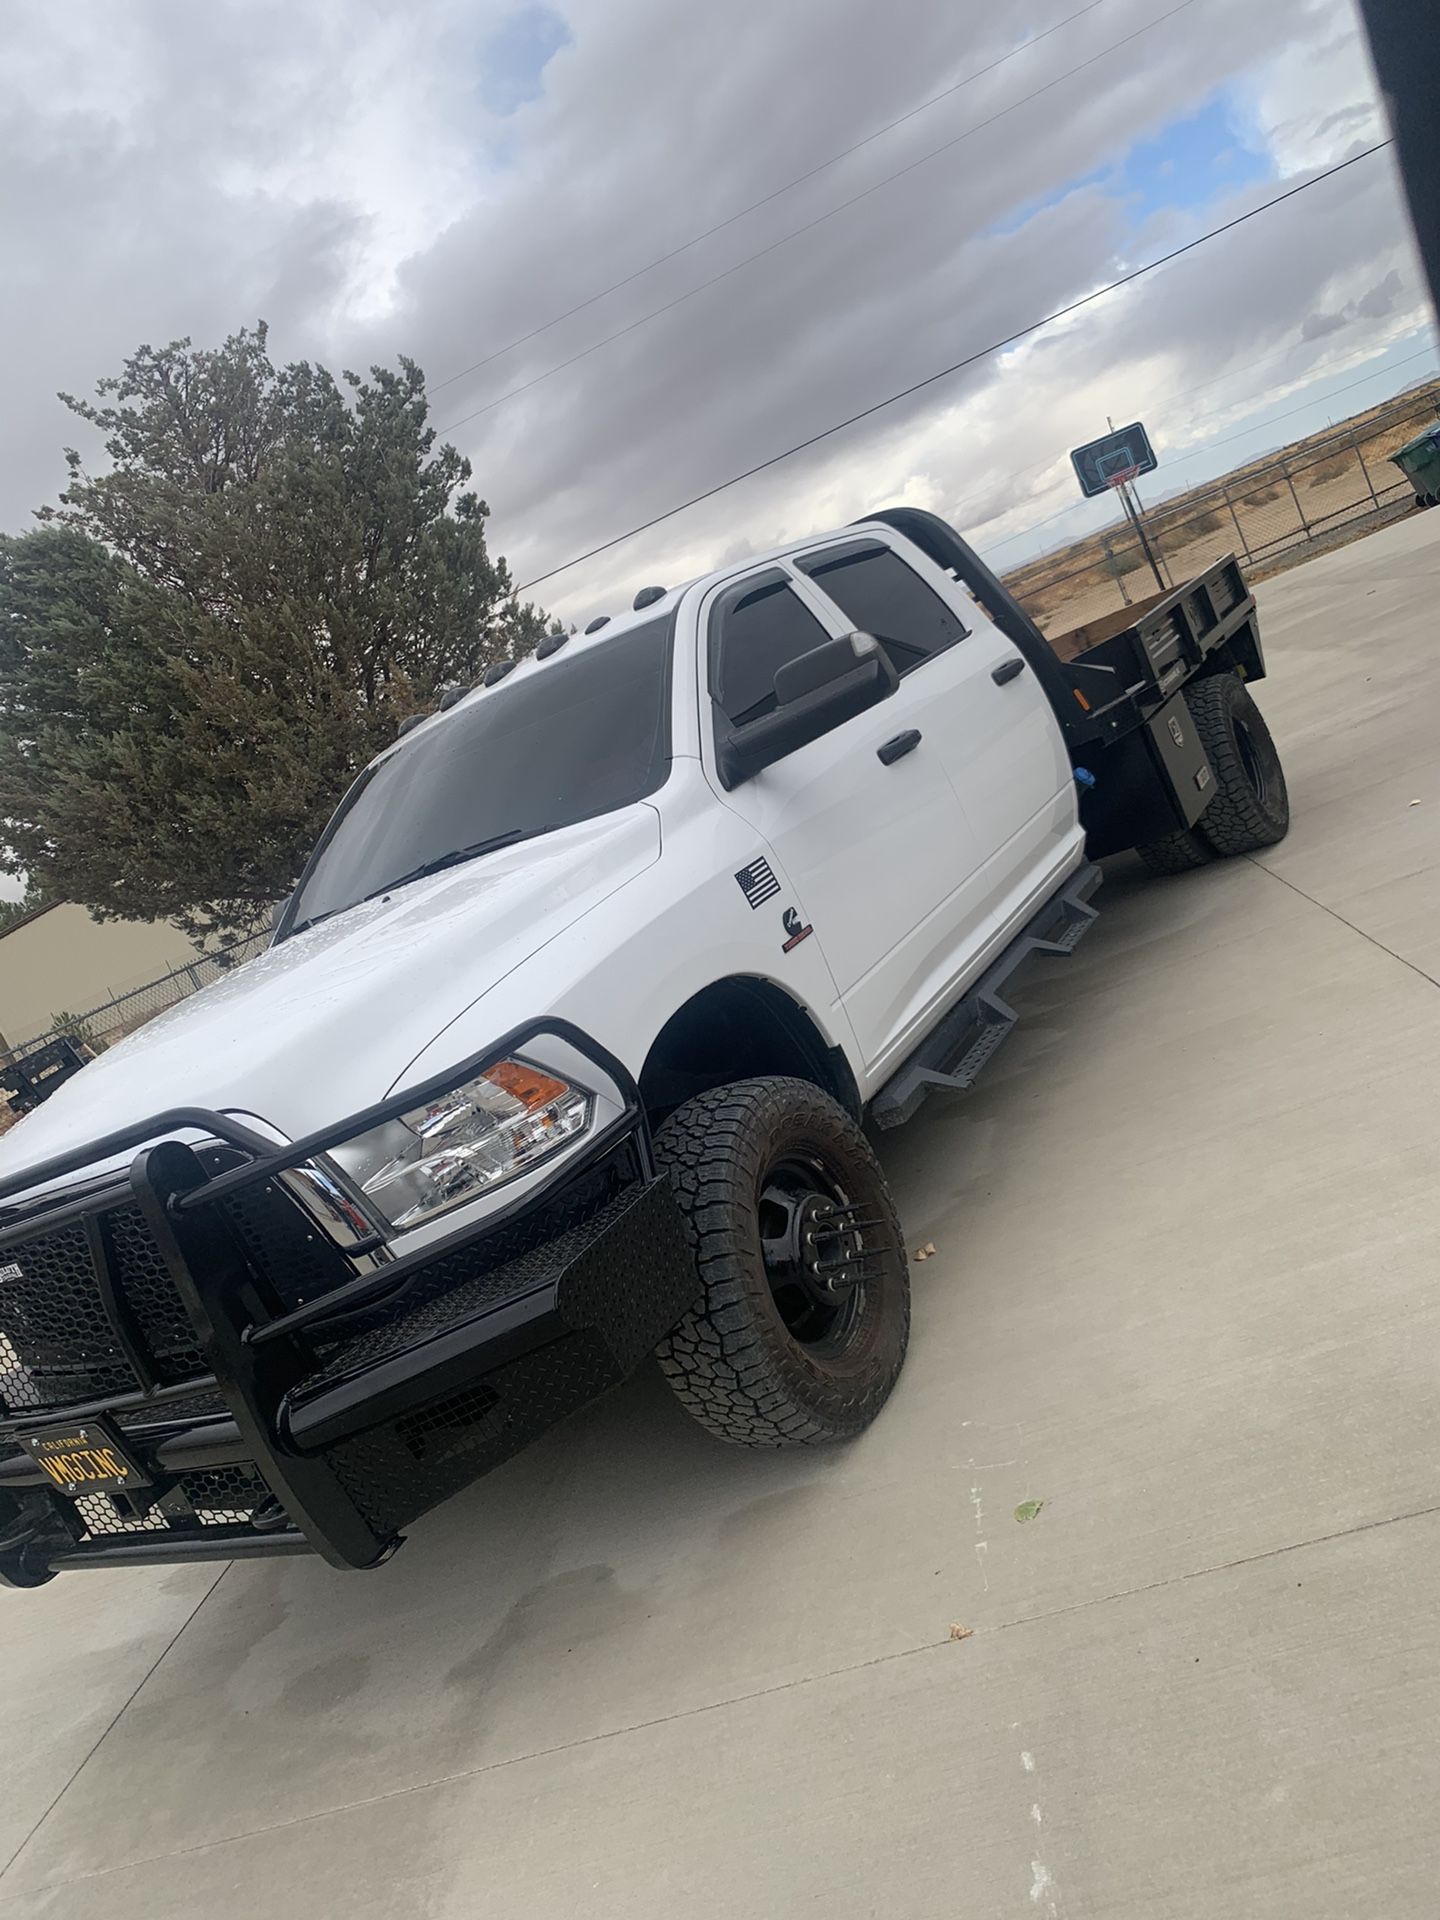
(951, 1058)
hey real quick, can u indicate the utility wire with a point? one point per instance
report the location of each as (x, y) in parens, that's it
(1183, 505)
(1173, 506)
(1276, 418)
(1177, 506)
(764, 201)
(1208, 445)
(956, 366)
(513, 393)
(1166, 396)
(1169, 395)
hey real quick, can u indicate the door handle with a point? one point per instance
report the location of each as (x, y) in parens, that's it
(897, 748)
(1007, 669)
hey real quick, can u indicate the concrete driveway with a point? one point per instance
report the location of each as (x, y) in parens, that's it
(1186, 1294)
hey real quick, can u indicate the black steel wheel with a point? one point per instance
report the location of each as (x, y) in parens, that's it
(802, 1330)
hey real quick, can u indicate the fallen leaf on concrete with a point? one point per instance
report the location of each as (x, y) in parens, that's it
(926, 1252)
(957, 1632)
(1027, 1510)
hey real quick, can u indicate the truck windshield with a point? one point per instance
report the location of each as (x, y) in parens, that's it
(578, 738)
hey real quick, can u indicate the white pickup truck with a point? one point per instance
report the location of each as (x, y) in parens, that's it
(562, 1050)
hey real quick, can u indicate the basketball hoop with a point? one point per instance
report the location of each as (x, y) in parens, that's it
(1113, 460)
(1109, 465)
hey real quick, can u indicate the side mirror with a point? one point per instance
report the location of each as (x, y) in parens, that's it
(814, 693)
(278, 912)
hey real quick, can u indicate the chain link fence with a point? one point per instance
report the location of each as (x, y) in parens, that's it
(100, 1027)
(1270, 515)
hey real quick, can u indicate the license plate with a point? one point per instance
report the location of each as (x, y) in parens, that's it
(86, 1458)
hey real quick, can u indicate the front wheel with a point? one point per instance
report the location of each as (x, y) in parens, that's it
(801, 1332)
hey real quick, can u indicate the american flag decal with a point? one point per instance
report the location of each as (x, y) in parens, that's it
(758, 883)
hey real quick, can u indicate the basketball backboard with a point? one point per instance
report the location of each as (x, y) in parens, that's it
(1099, 464)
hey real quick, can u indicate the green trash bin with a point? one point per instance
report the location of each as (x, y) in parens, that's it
(1419, 461)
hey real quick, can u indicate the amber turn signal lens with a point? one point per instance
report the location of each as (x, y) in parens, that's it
(524, 1083)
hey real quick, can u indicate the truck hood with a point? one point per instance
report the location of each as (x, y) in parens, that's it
(326, 1023)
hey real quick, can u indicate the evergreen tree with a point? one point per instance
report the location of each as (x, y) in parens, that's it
(201, 645)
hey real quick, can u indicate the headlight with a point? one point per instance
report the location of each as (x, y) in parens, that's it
(465, 1141)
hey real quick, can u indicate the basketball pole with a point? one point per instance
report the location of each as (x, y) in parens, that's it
(1137, 520)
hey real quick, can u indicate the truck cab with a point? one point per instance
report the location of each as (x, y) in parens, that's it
(864, 870)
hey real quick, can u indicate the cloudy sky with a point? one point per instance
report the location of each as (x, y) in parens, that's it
(447, 180)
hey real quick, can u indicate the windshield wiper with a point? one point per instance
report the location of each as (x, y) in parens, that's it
(456, 857)
(302, 926)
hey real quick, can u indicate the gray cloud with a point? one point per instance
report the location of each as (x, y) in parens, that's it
(1383, 298)
(1376, 303)
(338, 170)
(1315, 326)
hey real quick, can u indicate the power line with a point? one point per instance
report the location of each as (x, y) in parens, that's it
(1167, 395)
(764, 201)
(1275, 419)
(957, 366)
(513, 393)
(1179, 507)
(1208, 445)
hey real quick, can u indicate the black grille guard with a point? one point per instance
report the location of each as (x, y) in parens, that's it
(189, 1196)
(593, 1292)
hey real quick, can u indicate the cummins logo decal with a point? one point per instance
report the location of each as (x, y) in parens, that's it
(795, 929)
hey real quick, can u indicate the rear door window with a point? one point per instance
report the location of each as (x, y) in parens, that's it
(879, 593)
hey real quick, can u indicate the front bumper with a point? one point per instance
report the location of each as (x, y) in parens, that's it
(330, 1424)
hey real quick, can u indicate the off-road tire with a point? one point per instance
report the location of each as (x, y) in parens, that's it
(1251, 807)
(732, 1362)
(1177, 852)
